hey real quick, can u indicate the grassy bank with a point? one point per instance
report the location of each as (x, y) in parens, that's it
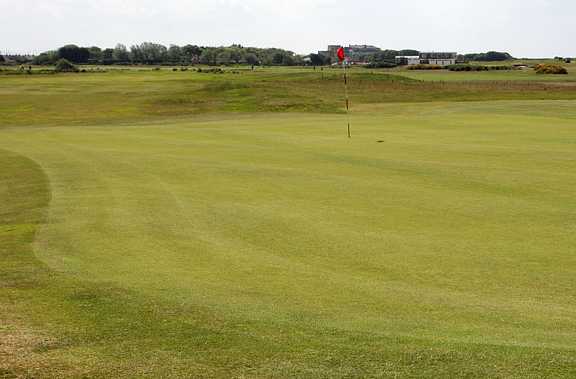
(136, 96)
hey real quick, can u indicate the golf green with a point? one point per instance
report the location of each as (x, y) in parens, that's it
(437, 242)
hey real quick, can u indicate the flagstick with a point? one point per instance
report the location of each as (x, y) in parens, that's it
(347, 99)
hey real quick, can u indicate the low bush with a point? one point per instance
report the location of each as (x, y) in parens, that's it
(501, 68)
(211, 71)
(472, 67)
(552, 69)
(381, 65)
(424, 67)
(466, 67)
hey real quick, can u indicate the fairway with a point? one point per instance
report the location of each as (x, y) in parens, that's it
(249, 238)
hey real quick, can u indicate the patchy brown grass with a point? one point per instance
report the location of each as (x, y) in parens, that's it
(24, 351)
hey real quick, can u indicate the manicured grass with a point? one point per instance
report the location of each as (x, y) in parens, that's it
(236, 242)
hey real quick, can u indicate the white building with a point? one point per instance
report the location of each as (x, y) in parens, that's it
(438, 59)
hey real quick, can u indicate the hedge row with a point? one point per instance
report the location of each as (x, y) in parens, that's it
(470, 67)
(424, 67)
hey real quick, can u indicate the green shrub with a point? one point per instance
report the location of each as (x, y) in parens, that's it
(63, 65)
(211, 71)
(424, 67)
(381, 65)
(500, 68)
(467, 67)
(471, 67)
(552, 69)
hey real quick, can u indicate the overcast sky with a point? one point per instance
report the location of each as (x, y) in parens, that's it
(525, 28)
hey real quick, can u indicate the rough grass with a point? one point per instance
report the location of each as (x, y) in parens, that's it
(525, 75)
(136, 96)
(436, 243)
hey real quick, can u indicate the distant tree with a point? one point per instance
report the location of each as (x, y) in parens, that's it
(149, 53)
(136, 54)
(409, 53)
(120, 54)
(488, 57)
(191, 53)
(224, 57)
(95, 54)
(497, 56)
(385, 56)
(108, 56)
(175, 54)
(209, 56)
(317, 60)
(46, 58)
(2, 59)
(153, 53)
(265, 58)
(277, 58)
(298, 60)
(74, 54)
(22, 59)
(281, 57)
(64, 65)
(237, 53)
(252, 59)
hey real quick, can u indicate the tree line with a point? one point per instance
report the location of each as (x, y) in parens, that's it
(149, 53)
(491, 56)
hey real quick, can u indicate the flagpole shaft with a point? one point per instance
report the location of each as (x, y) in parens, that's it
(347, 98)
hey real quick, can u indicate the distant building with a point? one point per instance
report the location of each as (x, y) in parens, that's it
(438, 59)
(407, 60)
(332, 52)
(364, 54)
(17, 58)
(356, 54)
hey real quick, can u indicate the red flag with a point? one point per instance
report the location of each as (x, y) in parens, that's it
(341, 54)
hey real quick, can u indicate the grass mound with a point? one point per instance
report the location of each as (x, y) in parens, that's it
(136, 96)
(64, 65)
